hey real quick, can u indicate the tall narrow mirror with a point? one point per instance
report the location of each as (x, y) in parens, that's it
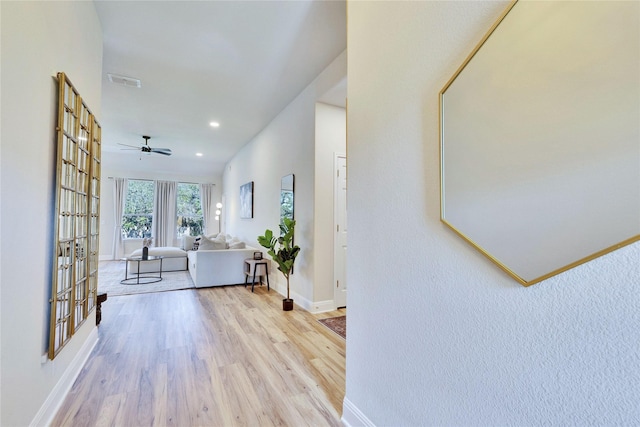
(286, 197)
(287, 185)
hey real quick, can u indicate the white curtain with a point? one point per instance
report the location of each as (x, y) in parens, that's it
(119, 196)
(164, 214)
(208, 207)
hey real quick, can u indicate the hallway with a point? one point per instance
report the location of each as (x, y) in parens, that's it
(210, 357)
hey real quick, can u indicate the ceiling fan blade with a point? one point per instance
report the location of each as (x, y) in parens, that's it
(164, 151)
(127, 145)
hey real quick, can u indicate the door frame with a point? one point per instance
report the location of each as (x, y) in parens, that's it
(336, 156)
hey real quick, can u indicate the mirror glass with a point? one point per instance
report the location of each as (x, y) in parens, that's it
(286, 197)
(540, 137)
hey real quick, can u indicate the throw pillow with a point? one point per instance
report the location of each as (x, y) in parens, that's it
(188, 242)
(221, 243)
(237, 245)
(211, 244)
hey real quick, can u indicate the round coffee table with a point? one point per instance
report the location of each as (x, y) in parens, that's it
(138, 276)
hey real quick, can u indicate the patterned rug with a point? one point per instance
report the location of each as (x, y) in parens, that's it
(336, 324)
(110, 273)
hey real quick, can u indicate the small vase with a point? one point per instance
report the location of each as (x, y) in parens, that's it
(145, 253)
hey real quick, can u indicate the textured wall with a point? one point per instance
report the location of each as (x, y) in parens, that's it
(437, 334)
(35, 46)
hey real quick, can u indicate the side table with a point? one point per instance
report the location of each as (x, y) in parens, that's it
(259, 267)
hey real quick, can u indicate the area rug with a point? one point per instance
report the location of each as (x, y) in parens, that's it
(110, 273)
(336, 324)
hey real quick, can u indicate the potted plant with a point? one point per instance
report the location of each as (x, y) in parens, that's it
(283, 252)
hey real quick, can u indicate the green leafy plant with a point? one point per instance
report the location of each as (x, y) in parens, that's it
(281, 249)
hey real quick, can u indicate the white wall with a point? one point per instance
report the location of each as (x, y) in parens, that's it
(39, 39)
(331, 139)
(437, 334)
(285, 146)
(107, 215)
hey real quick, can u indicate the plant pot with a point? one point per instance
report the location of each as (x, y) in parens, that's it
(287, 304)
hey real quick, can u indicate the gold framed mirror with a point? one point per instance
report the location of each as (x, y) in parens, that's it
(76, 246)
(540, 137)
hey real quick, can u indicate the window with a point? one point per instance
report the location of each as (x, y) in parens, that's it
(138, 209)
(189, 210)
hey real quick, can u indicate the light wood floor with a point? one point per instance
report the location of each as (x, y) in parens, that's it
(209, 357)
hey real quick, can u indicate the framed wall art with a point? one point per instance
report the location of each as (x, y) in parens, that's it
(246, 200)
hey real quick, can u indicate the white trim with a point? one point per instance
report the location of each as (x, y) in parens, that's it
(50, 407)
(353, 417)
(323, 306)
(301, 301)
(310, 306)
(336, 158)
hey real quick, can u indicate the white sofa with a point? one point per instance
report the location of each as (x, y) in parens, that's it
(174, 259)
(218, 267)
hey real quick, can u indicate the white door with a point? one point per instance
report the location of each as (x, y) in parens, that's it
(340, 229)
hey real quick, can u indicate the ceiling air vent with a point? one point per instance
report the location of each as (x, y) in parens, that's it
(124, 80)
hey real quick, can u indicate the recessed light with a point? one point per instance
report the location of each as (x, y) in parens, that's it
(214, 124)
(199, 154)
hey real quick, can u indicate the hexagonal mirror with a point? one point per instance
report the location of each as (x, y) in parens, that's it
(540, 137)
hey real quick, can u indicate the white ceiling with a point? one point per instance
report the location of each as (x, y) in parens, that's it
(235, 62)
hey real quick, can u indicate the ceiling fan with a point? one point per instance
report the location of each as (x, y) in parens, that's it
(146, 149)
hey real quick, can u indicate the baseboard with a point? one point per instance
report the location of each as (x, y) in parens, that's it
(50, 407)
(353, 417)
(308, 305)
(322, 306)
(301, 301)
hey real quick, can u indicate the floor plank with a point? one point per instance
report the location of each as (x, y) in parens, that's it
(209, 357)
